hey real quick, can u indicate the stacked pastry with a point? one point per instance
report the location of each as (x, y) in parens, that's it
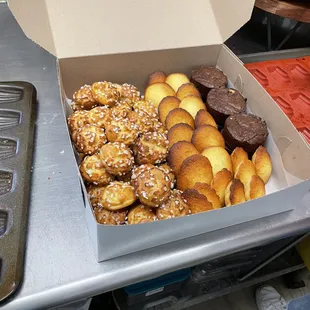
(123, 147)
(199, 153)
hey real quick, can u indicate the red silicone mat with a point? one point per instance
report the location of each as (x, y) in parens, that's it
(288, 83)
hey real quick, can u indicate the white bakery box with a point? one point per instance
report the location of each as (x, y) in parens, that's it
(124, 41)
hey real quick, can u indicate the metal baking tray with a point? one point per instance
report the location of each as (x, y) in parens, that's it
(17, 120)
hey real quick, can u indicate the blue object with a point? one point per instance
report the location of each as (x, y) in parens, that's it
(302, 303)
(168, 279)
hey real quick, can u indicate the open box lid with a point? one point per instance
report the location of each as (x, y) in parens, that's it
(73, 28)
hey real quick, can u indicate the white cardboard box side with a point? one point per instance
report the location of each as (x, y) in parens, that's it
(134, 67)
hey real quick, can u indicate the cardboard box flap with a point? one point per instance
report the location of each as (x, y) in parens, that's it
(35, 25)
(231, 15)
(75, 28)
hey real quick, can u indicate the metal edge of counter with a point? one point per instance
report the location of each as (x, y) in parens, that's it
(274, 55)
(156, 266)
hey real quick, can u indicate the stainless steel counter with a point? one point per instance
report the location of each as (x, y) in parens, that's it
(60, 266)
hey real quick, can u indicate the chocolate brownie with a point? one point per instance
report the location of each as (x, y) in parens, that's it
(205, 78)
(223, 102)
(246, 131)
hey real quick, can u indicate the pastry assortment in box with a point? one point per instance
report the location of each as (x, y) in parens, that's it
(164, 155)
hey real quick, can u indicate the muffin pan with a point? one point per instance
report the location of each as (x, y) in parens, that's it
(17, 117)
(7, 148)
(288, 83)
